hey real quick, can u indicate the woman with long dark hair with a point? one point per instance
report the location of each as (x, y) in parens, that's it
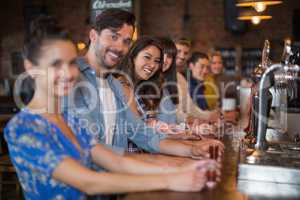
(170, 99)
(141, 77)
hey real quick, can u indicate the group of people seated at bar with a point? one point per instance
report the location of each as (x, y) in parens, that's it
(126, 117)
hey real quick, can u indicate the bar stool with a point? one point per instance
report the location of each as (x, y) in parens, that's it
(7, 171)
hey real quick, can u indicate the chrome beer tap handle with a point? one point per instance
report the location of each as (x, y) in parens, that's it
(287, 52)
(265, 59)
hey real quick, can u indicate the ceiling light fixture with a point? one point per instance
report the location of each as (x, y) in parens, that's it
(258, 5)
(253, 16)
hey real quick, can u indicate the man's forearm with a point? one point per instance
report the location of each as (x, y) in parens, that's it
(175, 147)
(160, 160)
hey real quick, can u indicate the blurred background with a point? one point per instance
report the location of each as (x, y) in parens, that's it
(209, 24)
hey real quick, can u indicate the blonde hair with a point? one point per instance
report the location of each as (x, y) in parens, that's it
(183, 41)
(214, 53)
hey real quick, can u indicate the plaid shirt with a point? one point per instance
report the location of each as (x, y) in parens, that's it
(133, 148)
(141, 107)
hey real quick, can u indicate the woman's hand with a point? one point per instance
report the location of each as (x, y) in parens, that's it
(204, 129)
(201, 148)
(214, 116)
(195, 176)
(212, 168)
(173, 130)
(186, 135)
(193, 121)
(198, 164)
(231, 116)
(161, 126)
(191, 181)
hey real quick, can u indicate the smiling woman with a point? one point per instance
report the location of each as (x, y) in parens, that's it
(50, 59)
(147, 62)
(143, 69)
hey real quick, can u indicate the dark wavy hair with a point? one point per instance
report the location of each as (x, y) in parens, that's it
(196, 56)
(113, 18)
(170, 76)
(150, 88)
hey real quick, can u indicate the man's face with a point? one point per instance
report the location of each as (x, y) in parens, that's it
(110, 45)
(200, 68)
(182, 56)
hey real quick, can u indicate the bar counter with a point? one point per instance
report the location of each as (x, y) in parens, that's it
(226, 189)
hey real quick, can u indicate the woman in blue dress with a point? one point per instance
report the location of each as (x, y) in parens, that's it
(53, 155)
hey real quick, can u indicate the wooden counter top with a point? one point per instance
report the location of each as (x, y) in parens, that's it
(226, 190)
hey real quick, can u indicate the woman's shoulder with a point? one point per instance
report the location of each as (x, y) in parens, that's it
(25, 121)
(22, 117)
(122, 81)
(180, 78)
(121, 87)
(209, 78)
(179, 75)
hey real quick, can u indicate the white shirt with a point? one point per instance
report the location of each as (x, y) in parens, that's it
(108, 108)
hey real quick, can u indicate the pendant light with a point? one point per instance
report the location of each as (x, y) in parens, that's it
(253, 16)
(258, 5)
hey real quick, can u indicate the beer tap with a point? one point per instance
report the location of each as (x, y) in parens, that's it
(287, 51)
(287, 72)
(285, 79)
(257, 74)
(265, 59)
(265, 62)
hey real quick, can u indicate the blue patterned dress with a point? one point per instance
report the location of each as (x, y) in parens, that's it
(37, 147)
